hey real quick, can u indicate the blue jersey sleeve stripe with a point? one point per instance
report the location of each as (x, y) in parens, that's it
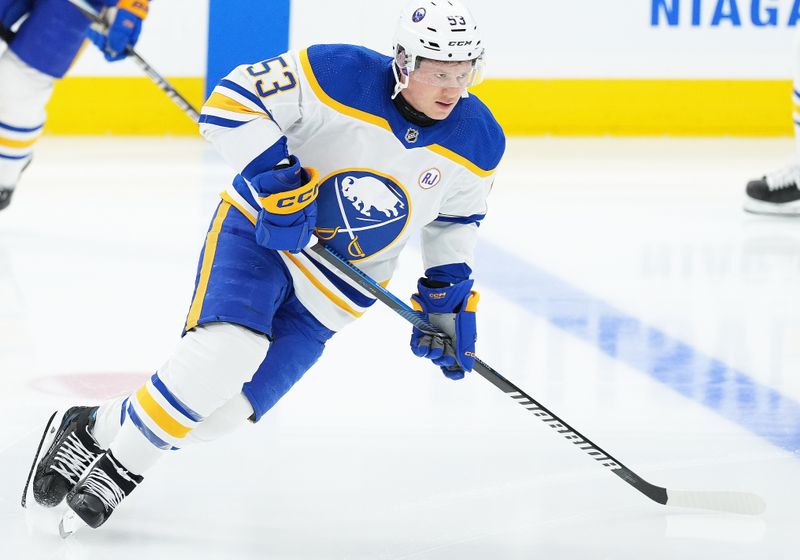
(266, 160)
(249, 95)
(219, 121)
(174, 401)
(351, 293)
(474, 219)
(20, 128)
(146, 432)
(450, 273)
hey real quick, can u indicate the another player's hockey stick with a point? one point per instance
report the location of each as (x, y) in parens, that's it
(734, 502)
(162, 84)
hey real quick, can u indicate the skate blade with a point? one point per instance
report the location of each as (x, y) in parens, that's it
(48, 436)
(69, 524)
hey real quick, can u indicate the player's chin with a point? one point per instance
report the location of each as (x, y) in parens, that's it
(443, 109)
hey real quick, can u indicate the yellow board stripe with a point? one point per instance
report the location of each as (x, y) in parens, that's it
(330, 102)
(205, 270)
(522, 106)
(147, 109)
(9, 143)
(317, 284)
(220, 101)
(640, 107)
(159, 415)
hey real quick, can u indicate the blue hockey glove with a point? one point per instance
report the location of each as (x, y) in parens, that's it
(451, 309)
(288, 196)
(123, 31)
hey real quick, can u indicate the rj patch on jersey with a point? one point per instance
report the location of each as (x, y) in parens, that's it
(361, 212)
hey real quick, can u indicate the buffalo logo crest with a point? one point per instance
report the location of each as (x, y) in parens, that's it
(360, 212)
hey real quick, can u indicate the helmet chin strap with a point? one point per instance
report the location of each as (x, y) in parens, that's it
(399, 83)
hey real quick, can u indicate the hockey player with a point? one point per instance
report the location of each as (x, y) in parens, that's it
(779, 193)
(360, 149)
(42, 50)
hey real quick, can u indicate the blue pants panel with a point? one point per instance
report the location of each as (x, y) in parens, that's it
(52, 35)
(298, 340)
(247, 283)
(12, 10)
(250, 286)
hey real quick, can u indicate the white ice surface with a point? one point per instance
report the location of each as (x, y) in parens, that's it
(375, 455)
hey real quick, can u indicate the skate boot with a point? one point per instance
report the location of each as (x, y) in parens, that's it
(776, 193)
(6, 191)
(66, 451)
(5, 196)
(94, 499)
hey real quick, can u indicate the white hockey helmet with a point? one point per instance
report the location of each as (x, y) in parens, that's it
(442, 30)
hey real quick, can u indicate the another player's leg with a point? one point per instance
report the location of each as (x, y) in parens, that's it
(41, 52)
(778, 192)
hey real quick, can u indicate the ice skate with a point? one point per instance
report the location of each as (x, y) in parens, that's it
(5, 196)
(776, 193)
(66, 451)
(94, 499)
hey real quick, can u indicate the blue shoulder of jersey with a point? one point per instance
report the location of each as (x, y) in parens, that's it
(478, 137)
(362, 79)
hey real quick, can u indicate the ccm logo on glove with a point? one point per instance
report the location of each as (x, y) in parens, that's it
(292, 201)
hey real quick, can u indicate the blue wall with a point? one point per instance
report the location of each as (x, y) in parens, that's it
(244, 31)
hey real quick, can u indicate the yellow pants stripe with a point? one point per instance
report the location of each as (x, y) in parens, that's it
(208, 261)
(160, 416)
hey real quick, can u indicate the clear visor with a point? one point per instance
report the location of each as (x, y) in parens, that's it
(445, 74)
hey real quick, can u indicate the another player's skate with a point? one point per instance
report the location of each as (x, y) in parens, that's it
(776, 193)
(5, 196)
(94, 499)
(6, 191)
(66, 451)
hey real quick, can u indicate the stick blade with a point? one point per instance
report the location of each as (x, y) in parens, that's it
(732, 502)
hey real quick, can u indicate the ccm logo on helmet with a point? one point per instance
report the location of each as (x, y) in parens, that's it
(459, 43)
(301, 198)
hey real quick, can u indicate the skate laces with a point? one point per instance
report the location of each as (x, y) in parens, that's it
(102, 486)
(789, 176)
(72, 458)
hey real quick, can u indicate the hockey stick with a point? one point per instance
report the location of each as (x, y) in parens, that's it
(733, 502)
(162, 84)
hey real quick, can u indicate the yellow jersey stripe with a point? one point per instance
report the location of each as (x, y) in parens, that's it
(330, 102)
(160, 416)
(220, 101)
(205, 269)
(339, 302)
(9, 143)
(376, 120)
(461, 160)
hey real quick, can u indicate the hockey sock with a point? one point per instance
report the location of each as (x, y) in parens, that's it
(206, 371)
(108, 420)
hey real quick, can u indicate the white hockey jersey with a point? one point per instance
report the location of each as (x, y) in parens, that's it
(381, 176)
